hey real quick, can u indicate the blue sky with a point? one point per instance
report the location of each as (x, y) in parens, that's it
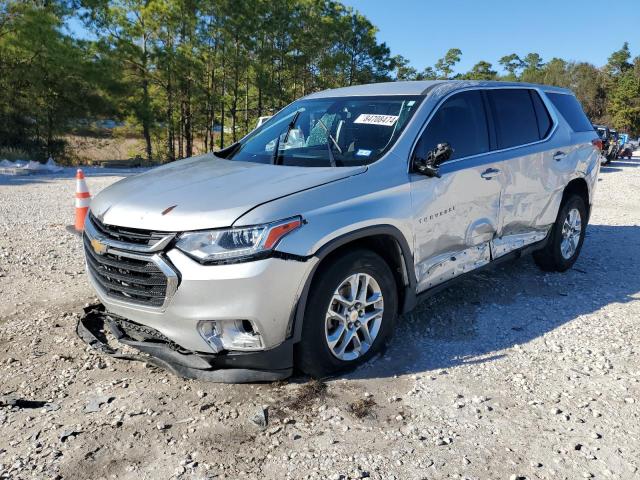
(582, 30)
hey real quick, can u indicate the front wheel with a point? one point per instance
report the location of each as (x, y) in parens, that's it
(566, 237)
(350, 314)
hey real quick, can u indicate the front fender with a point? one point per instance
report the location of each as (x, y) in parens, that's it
(376, 202)
(379, 196)
(409, 296)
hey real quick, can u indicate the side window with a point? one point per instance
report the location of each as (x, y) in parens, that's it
(571, 110)
(461, 122)
(542, 114)
(514, 117)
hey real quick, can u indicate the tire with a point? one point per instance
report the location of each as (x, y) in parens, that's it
(314, 354)
(555, 257)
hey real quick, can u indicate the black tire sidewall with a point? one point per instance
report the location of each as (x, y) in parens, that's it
(314, 355)
(572, 202)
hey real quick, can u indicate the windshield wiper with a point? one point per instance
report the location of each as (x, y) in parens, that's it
(333, 140)
(276, 151)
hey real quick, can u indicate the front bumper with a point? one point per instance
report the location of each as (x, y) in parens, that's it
(263, 291)
(264, 366)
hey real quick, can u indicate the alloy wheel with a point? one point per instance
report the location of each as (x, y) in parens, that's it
(354, 316)
(571, 232)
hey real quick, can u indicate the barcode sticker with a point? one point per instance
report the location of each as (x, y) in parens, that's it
(373, 119)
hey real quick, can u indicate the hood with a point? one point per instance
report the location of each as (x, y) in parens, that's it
(205, 192)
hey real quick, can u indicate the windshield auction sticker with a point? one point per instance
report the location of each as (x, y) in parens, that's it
(372, 119)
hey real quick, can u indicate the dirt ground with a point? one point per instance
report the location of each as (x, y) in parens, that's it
(512, 374)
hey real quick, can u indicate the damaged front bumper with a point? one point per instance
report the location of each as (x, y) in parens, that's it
(226, 367)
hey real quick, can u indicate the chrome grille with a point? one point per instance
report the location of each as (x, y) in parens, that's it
(132, 280)
(126, 265)
(128, 235)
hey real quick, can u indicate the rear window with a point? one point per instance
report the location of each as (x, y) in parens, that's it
(514, 116)
(571, 111)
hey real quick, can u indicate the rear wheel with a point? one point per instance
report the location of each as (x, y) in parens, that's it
(567, 235)
(350, 314)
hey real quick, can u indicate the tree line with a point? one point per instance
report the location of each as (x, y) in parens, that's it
(194, 75)
(609, 94)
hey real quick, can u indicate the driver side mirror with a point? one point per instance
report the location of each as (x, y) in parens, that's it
(429, 166)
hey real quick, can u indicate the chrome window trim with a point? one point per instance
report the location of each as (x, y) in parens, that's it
(159, 245)
(543, 97)
(156, 258)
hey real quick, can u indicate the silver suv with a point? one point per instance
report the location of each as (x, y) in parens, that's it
(302, 243)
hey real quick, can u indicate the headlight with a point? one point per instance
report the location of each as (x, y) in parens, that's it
(235, 243)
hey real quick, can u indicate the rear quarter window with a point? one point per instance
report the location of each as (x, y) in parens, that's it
(571, 110)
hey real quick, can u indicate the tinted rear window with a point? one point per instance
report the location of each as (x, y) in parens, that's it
(462, 123)
(571, 111)
(514, 117)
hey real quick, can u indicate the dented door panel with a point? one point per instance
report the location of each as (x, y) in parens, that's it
(529, 200)
(530, 179)
(533, 188)
(456, 217)
(468, 218)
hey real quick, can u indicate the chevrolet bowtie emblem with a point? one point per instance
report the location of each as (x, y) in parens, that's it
(98, 247)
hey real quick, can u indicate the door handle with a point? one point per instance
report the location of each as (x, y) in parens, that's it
(489, 173)
(559, 156)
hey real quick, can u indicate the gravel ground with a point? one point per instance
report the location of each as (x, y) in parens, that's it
(525, 376)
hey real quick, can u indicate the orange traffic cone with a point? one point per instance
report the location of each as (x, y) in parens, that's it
(83, 198)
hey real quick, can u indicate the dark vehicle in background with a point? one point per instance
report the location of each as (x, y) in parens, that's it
(609, 139)
(614, 144)
(603, 133)
(626, 151)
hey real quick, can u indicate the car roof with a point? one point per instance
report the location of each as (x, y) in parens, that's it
(423, 87)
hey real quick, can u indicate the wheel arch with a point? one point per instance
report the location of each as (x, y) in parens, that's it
(385, 240)
(580, 187)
